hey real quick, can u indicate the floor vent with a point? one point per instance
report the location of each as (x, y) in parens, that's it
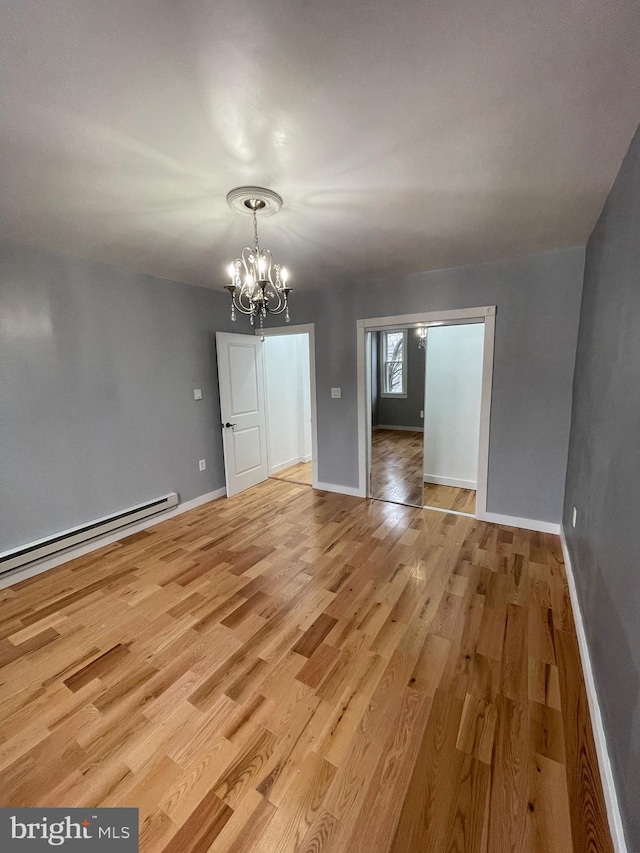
(76, 535)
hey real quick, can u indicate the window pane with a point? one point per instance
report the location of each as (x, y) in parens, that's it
(395, 342)
(393, 366)
(394, 374)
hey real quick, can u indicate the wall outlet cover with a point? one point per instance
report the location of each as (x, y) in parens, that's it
(197, 393)
(336, 393)
(202, 464)
(574, 517)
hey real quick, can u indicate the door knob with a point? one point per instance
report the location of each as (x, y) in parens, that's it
(227, 425)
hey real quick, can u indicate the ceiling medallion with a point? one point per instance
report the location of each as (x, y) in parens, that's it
(258, 286)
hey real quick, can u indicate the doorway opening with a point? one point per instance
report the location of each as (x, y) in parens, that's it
(287, 371)
(268, 406)
(425, 399)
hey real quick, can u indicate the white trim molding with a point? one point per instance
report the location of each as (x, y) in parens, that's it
(524, 523)
(450, 481)
(599, 735)
(400, 428)
(36, 568)
(340, 490)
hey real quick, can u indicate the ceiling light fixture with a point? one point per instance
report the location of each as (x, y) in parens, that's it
(422, 333)
(258, 286)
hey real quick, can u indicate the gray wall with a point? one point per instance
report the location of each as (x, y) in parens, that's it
(405, 411)
(98, 366)
(97, 371)
(538, 304)
(603, 476)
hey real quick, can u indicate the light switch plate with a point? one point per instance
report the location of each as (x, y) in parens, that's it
(336, 393)
(197, 393)
(202, 464)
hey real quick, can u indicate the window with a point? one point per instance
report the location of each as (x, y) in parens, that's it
(393, 363)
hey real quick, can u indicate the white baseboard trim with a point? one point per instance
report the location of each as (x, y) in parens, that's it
(275, 469)
(341, 490)
(450, 481)
(36, 568)
(306, 458)
(524, 523)
(400, 428)
(599, 736)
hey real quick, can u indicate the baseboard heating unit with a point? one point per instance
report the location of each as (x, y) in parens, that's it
(76, 535)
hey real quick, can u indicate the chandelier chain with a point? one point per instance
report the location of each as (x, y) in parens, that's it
(255, 231)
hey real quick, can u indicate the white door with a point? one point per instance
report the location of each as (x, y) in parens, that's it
(242, 405)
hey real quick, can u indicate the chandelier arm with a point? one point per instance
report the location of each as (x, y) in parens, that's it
(243, 302)
(247, 311)
(282, 306)
(276, 300)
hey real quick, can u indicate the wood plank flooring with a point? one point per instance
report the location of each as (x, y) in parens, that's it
(301, 473)
(449, 497)
(396, 474)
(396, 466)
(292, 671)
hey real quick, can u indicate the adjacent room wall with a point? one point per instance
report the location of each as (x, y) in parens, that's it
(375, 373)
(538, 304)
(304, 385)
(452, 404)
(288, 400)
(603, 476)
(405, 411)
(97, 372)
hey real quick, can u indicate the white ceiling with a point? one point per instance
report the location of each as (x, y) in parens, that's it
(404, 135)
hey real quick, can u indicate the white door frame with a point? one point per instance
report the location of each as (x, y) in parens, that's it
(486, 315)
(304, 329)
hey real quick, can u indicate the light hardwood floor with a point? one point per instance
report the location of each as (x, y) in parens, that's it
(449, 497)
(396, 468)
(293, 670)
(301, 473)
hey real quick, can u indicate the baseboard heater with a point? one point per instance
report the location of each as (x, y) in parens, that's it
(77, 535)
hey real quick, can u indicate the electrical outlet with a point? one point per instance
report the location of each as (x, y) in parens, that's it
(202, 464)
(336, 393)
(197, 393)
(422, 413)
(574, 517)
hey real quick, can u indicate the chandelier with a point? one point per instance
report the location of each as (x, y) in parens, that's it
(258, 286)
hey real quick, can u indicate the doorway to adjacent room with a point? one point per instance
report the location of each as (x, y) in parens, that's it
(268, 406)
(425, 395)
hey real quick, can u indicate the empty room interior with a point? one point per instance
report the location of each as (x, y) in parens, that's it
(319, 420)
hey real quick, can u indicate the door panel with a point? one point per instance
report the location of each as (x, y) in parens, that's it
(246, 446)
(243, 366)
(242, 406)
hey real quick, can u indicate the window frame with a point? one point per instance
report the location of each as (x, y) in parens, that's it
(395, 395)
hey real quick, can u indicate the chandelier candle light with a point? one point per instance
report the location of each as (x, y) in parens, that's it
(258, 286)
